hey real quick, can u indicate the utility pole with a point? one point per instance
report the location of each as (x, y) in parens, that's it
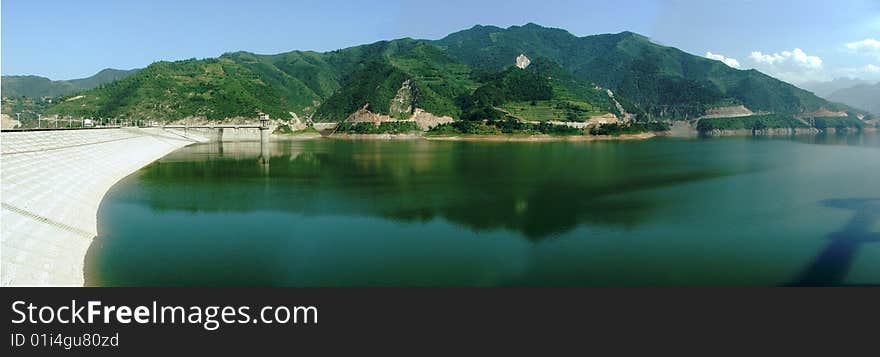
(38, 120)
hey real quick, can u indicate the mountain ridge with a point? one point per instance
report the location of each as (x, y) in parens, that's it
(33, 86)
(623, 60)
(864, 96)
(658, 82)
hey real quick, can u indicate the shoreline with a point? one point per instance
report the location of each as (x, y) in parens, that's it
(543, 138)
(516, 138)
(53, 183)
(409, 136)
(783, 132)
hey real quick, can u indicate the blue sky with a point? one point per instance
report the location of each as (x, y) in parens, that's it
(794, 40)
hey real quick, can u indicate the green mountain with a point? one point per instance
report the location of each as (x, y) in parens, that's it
(37, 87)
(415, 73)
(466, 75)
(863, 96)
(542, 91)
(329, 86)
(212, 88)
(664, 81)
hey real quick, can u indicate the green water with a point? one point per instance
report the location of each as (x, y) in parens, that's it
(681, 212)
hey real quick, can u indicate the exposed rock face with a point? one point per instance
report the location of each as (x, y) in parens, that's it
(571, 124)
(427, 120)
(682, 128)
(728, 112)
(365, 115)
(401, 107)
(6, 122)
(822, 112)
(321, 126)
(592, 122)
(522, 61)
(626, 116)
(296, 123)
(603, 119)
(404, 102)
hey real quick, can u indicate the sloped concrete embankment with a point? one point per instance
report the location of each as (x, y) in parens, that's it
(51, 184)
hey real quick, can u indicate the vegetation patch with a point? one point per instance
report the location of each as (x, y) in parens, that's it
(502, 127)
(615, 129)
(547, 110)
(390, 127)
(753, 122)
(838, 123)
(287, 130)
(463, 128)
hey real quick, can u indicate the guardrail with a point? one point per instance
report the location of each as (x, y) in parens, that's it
(16, 130)
(224, 126)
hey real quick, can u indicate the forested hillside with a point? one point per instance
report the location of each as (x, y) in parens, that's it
(35, 87)
(467, 75)
(664, 81)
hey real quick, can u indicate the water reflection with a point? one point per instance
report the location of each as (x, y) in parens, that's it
(845, 139)
(539, 191)
(833, 263)
(728, 211)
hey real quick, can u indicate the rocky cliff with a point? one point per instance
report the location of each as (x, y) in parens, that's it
(728, 112)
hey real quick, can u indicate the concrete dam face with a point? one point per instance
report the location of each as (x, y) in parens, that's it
(225, 134)
(52, 184)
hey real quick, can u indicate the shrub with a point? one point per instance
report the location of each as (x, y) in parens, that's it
(631, 128)
(388, 127)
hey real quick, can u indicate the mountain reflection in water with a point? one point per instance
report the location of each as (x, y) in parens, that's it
(483, 187)
(673, 212)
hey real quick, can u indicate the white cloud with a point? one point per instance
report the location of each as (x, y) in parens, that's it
(868, 46)
(759, 57)
(795, 66)
(796, 57)
(732, 62)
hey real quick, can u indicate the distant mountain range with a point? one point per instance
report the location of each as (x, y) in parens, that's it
(467, 75)
(825, 88)
(36, 86)
(862, 96)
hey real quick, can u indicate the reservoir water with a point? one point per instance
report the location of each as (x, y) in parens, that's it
(659, 212)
